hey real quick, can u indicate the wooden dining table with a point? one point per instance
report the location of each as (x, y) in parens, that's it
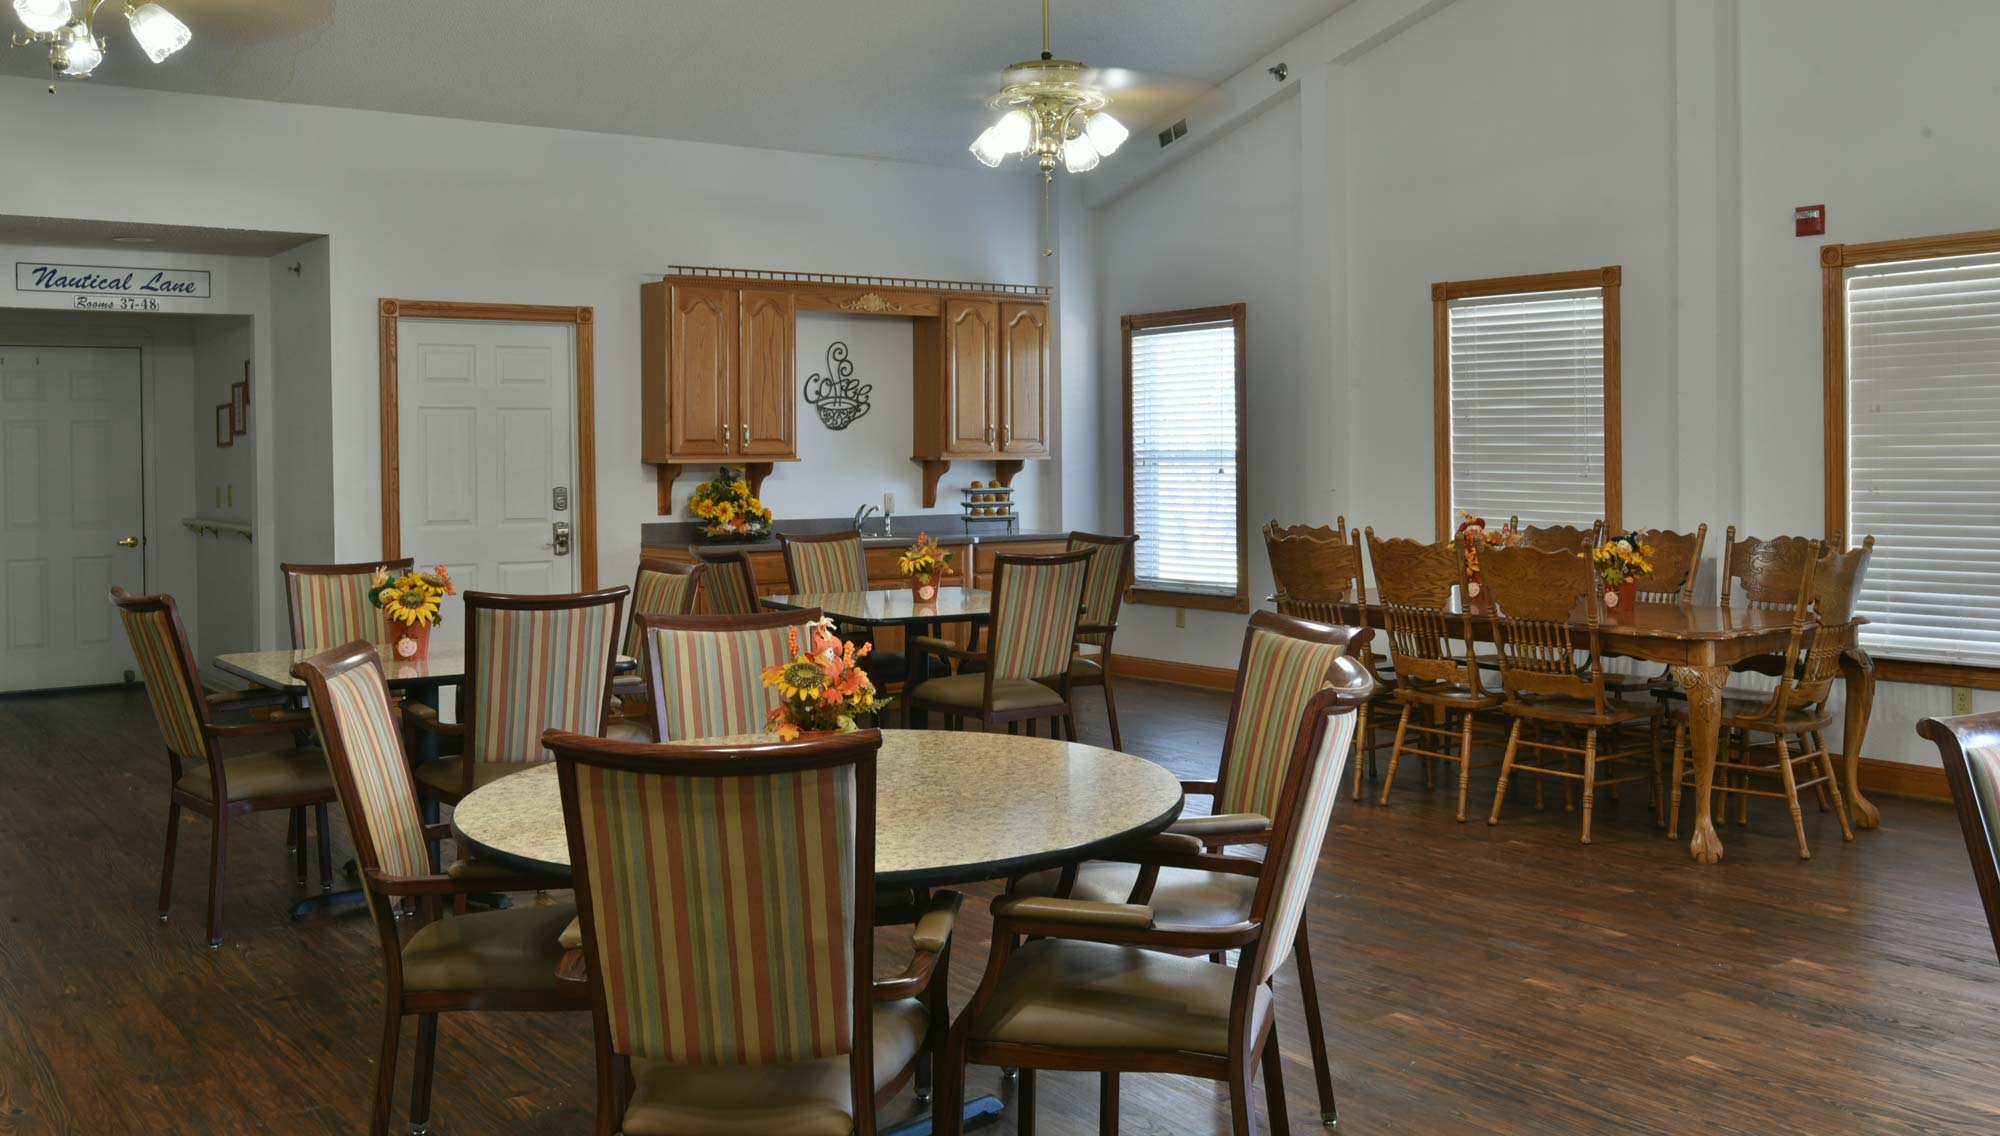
(1699, 644)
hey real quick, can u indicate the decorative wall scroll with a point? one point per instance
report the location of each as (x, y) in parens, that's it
(837, 395)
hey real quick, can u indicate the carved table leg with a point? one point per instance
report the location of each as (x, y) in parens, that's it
(1859, 671)
(1704, 694)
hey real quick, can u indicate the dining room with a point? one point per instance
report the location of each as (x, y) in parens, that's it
(1441, 577)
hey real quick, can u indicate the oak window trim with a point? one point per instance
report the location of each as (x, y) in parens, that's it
(1234, 313)
(1834, 261)
(1607, 278)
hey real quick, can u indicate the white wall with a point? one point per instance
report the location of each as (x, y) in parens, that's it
(225, 479)
(420, 208)
(301, 383)
(1671, 137)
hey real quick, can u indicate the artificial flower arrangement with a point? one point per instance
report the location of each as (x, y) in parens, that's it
(1473, 534)
(823, 688)
(1621, 562)
(413, 603)
(923, 562)
(728, 508)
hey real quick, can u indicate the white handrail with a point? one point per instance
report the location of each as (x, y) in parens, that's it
(218, 528)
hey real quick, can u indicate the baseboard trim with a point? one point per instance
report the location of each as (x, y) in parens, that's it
(1166, 670)
(1902, 779)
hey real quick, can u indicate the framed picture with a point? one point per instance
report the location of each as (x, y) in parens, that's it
(225, 433)
(239, 403)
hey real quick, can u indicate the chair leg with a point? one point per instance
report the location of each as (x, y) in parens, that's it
(1107, 1104)
(1315, 1029)
(1396, 752)
(1111, 708)
(1464, 765)
(1274, 1087)
(325, 849)
(1362, 753)
(385, 1072)
(1589, 778)
(218, 855)
(1819, 747)
(299, 848)
(1792, 794)
(1506, 771)
(1832, 785)
(1743, 779)
(1024, 1103)
(1659, 801)
(1674, 781)
(1242, 1111)
(167, 861)
(420, 1074)
(293, 834)
(948, 1094)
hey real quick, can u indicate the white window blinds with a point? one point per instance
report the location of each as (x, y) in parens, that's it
(1527, 407)
(1923, 425)
(1184, 461)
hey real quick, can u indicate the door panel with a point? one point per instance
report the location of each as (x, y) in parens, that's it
(704, 372)
(971, 344)
(765, 362)
(488, 433)
(1024, 379)
(71, 487)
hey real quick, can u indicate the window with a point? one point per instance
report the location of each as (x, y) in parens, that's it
(1913, 439)
(1526, 385)
(1183, 457)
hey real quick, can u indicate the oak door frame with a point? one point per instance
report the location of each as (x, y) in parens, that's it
(582, 321)
(1607, 278)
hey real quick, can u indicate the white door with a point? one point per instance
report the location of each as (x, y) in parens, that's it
(71, 496)
(486, 429)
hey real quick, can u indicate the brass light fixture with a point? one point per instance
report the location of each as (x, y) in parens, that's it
(68, 28)
(1051, 111)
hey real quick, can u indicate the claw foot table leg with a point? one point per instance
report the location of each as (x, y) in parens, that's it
(1859, 672)
(1704, 694)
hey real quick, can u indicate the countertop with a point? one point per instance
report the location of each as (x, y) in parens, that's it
(945, 528)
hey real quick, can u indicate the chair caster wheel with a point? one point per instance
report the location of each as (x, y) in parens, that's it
(1010, 1073)
(163, 917)
(423, 1129)
(923, 1096)
(215, 944)
(1330, 1119)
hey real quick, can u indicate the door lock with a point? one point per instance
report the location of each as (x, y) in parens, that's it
(559, 538)
(561, 495)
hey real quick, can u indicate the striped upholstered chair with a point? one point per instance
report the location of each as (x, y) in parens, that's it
(706, 671)
(663, 587)
(1285, 665)
(832, 562)
(329, 602)
(1103, 594)
(531, 663)
(205, 782)
(1064, 987)
(1024, 673)
(741, 997)
(1970, 749)
(496, 960)
(730, 587)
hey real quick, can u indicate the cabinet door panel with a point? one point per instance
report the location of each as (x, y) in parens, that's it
(764, 389)
(704, 371)
(1024, 378)
(971, 388)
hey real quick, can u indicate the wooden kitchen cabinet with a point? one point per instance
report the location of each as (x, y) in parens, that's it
(983, 381)
(718, 381)
(1023, 412)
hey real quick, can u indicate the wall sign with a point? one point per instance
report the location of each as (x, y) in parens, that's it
(839, 397)
(112, 287)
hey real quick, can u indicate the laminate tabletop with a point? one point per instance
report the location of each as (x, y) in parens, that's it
(951, 807)
(443, 665)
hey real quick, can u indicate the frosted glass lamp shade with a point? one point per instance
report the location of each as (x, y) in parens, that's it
(81, 53)
(1106, 133)
(986, 149)
(1012, 132)
(158, 31)
(1079, 154)
(42, 15)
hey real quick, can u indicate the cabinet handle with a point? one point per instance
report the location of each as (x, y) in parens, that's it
(989, 433)
(725, 435)
(746, 433)
(1007, 434)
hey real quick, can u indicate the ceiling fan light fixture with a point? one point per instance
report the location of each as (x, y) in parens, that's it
(40, 16)
(1105, 132)
(987, 149)
(158, 31)
(1080, 154)
(81, 53)
(1013, 132)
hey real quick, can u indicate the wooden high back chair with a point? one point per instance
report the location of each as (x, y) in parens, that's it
(730, 586)
(706, 671)
(1104, 587)
(1548, 537)
(1769, 572)
(1414, 581)
(1676, 562)
(1969, 747)
(1318, 573)
(831, 562)
(329, 602)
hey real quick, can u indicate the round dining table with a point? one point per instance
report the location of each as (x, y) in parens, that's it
(950, 807)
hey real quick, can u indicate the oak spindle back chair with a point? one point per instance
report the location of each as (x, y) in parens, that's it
(495, 960)
(1104, 587)
(1770, 572)
(730, 586)
(1415, 581)
(1969, 747)
(1535, 595)
(1572, 538)
(1676, 563)
(1318, 574)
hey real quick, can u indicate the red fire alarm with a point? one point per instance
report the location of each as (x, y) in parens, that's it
(1809, 221)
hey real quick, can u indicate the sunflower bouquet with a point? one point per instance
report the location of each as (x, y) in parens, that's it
(1621, 562)
(728, 510)
(413, 603)
(823, 688)
(923, 562)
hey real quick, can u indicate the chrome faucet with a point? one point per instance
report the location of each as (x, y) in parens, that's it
(862, 514)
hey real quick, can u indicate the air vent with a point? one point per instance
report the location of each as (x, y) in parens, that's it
(1176, 131)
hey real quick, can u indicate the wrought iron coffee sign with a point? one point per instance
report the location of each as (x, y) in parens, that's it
(839, 397)
(113, 288)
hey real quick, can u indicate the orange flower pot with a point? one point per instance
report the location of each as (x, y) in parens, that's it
(412, 642)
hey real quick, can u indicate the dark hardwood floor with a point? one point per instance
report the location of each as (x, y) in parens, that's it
(1502, 980)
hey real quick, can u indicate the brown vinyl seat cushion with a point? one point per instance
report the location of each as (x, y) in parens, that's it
(629, 730)
(1184, 897)
(965, 692)
(515, 949)
(803, 1098)
(275, 773)
(447, 775)
(1063, 992)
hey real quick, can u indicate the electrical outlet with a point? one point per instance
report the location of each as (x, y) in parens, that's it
(1180, 617)
(1961, 700)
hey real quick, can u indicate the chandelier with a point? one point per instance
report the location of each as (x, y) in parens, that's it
(1053, 111)
(69, 29)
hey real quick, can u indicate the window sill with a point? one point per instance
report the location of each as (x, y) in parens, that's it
(1937, 674)
(1206, 601)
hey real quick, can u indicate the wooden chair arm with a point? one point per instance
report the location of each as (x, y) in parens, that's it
(1078, 911)
(383, 884)
(1026, 915)
(573, 974)
(1200, 788)
(1222, 829)
(1096, 628)
(262, 728)
(429, 723)
(255, 698)
(930, 937)
(1198, 860)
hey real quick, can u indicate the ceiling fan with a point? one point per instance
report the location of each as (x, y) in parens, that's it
(69, 28)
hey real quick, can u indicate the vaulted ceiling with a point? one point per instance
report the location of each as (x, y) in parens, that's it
(902, 79)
